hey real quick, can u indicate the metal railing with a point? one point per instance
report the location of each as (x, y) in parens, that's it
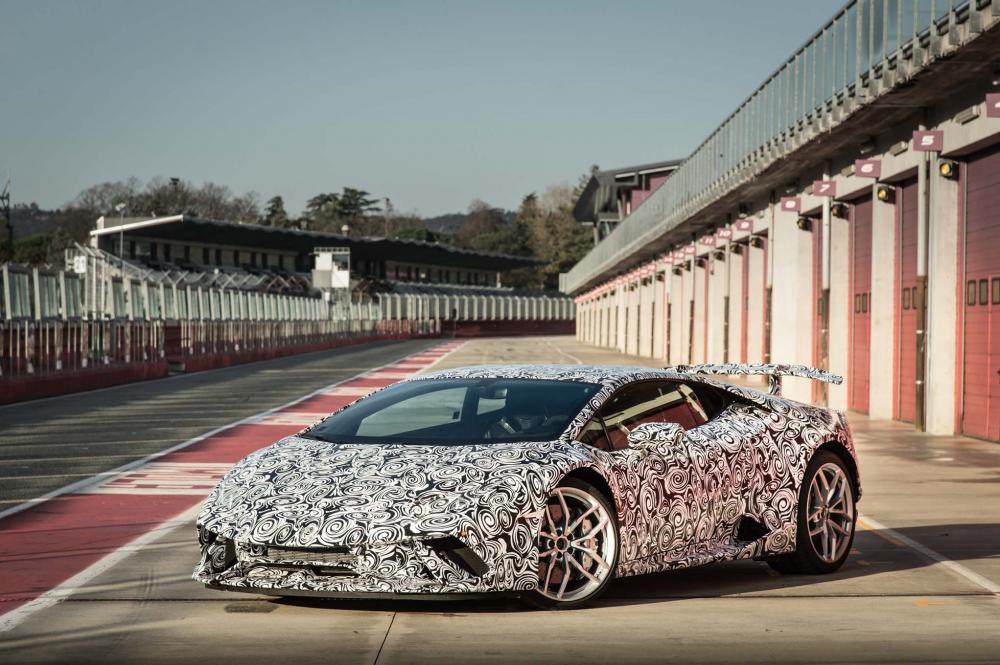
(56, 320)
(852, 59)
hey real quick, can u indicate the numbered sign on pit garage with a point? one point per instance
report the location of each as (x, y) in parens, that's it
(868, 168)
(825, 188)
(791, 204)
(744, 224)
(993, 105)
(724, 234)
(928, 140)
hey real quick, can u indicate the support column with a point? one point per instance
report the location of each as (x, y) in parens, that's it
(698, 330)
(658, 347)
(791, 300)
(756, 286)
(943, 377)
(880, 385)
(736, 298)
(716, 311)
(676, 303)
(840, 309)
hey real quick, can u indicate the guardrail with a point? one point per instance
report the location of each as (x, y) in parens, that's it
(850, 60)
(58, 321)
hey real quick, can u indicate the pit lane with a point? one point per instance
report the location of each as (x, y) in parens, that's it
(892, 602)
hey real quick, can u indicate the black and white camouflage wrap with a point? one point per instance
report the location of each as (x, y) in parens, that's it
(377, 508)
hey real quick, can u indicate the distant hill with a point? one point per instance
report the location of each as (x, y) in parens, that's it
(445, 223)
(449, 223)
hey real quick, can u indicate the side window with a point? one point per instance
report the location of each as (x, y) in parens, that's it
(650, 402)
(593, 434)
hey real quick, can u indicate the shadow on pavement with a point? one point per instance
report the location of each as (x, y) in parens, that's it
(875, 552)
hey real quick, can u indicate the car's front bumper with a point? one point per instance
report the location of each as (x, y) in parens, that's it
(426, 567)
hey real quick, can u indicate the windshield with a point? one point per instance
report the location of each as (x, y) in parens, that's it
(459, 411)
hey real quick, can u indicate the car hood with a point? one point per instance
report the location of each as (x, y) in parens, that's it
(302, 492)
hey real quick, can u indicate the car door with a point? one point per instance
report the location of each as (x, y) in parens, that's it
(668, 499)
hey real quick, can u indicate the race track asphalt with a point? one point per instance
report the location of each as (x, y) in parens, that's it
(922, 584)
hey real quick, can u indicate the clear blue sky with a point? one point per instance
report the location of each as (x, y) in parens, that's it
(430, 103)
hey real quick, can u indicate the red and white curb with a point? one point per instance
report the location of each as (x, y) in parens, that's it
(53, 545)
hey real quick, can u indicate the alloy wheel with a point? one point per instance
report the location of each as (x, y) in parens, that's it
(576, 545)
(831, 512)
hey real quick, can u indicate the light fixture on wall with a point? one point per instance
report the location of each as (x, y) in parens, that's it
(839, 209)
(736, 248)
(885, 193)
(757, 242)
(701, 263)
(720, 255)
(948, 169)
(804, 224)
(677, 271)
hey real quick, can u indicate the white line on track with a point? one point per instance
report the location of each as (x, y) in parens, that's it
(892, 536)
(18, 615)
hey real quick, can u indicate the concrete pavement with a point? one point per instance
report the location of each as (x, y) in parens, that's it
(921, 586)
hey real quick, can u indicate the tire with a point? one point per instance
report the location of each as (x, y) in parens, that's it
(826, 550)
(598, 531)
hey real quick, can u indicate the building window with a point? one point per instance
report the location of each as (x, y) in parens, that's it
(131, 248)
(236, 257)
(152, 250)
(906, 299)
(205, 256)
(263, 259)
(983, 294)
(996, 290)
(218, 257)
(187, 253)
(253, 259)
(281, 261)
(166, 251)
(970, 293)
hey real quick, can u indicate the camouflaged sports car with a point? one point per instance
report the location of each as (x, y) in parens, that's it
(542, 481)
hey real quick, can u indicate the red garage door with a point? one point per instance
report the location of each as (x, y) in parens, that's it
(981, 387)
(906, 305)
(861, 263)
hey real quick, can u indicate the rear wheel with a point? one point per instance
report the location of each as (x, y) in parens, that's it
(826, 519)
(577, 546)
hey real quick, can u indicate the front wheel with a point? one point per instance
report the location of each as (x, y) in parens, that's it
(826, 519)
(577, 547)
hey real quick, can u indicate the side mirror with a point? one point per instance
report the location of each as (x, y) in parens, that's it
(655, 435)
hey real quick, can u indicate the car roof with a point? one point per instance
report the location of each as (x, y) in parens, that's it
(600, 374)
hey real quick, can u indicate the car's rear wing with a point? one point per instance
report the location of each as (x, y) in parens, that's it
(772, 371)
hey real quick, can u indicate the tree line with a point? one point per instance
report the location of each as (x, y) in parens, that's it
(542, 227)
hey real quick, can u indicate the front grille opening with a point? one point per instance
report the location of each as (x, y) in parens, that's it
(325, 555)
(460, 554)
